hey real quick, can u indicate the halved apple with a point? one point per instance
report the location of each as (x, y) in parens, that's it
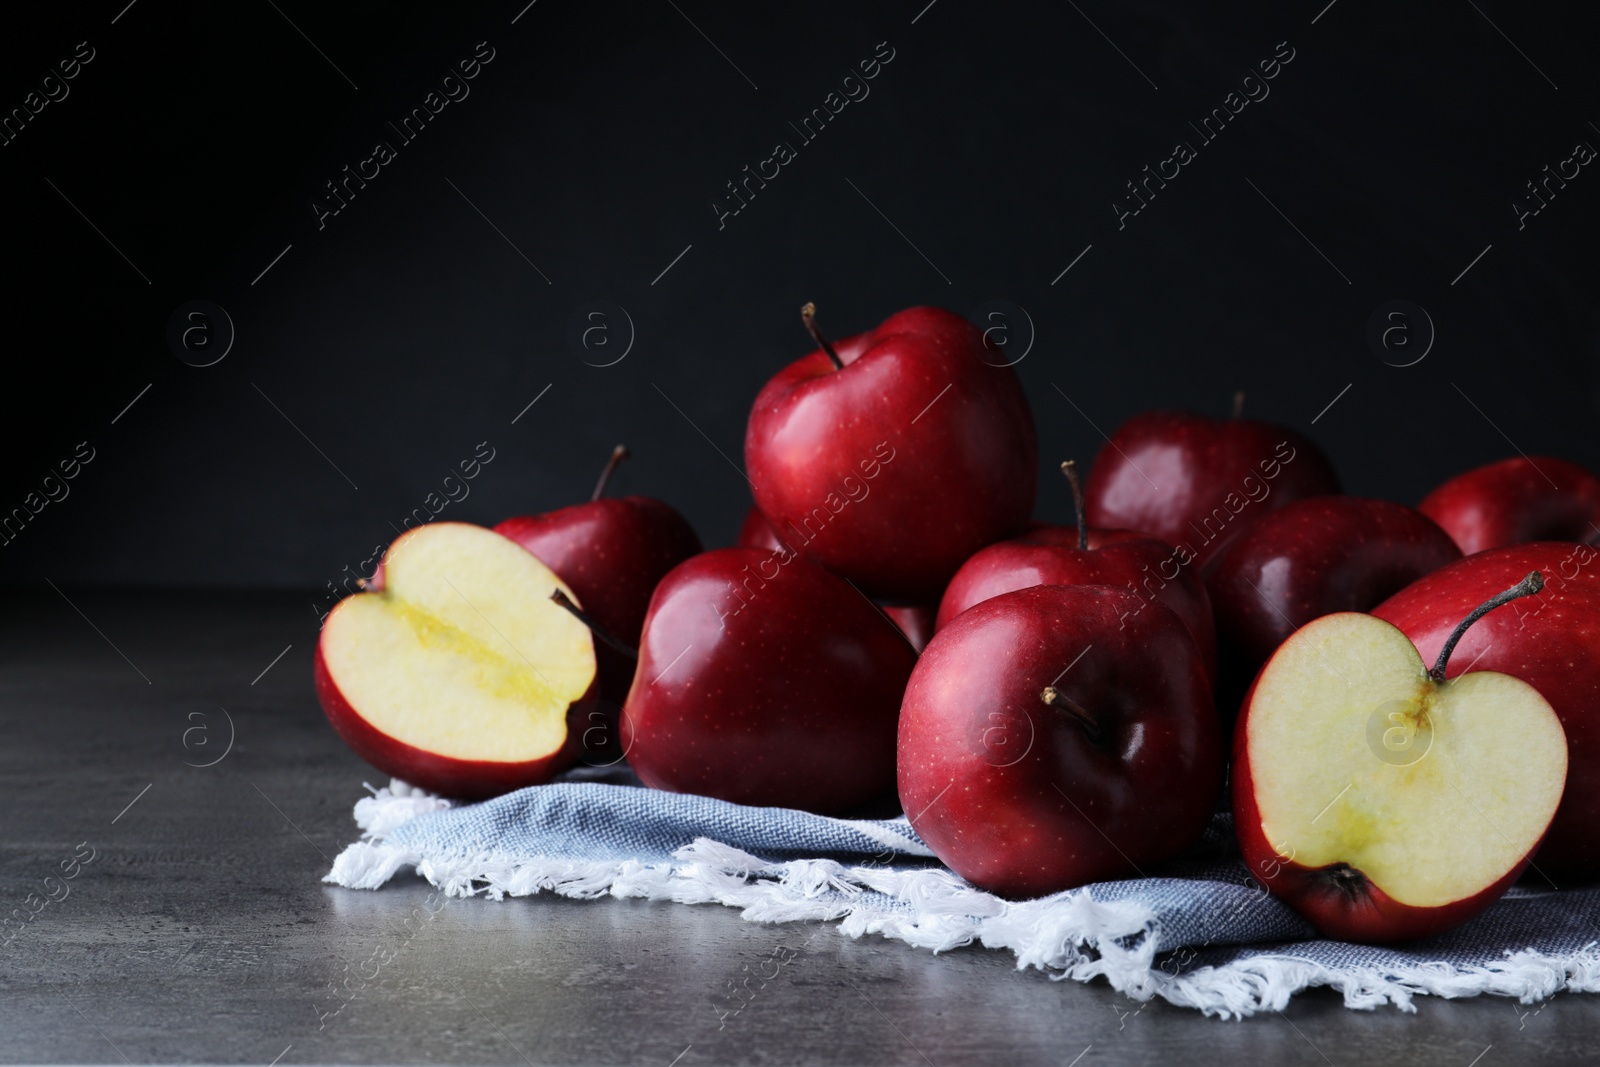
(1380, 801)
(461, 676)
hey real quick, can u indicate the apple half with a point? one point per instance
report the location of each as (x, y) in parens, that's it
(1380, 801)
(461, 676)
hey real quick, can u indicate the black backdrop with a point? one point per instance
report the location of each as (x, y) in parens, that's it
(392, 338)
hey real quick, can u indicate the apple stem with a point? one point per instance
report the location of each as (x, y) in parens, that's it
(1527, 587)
(595, 628)
(1069, 467)
(618, 454)
(808, 315)
(1057, 699)
(1238, 403)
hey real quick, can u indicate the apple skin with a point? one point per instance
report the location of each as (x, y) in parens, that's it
(916, 621)
(787, 698)
(1513, 502)
(757, 532)
(1165, 473)
(1311, 558)
(457, 778)
(611, 552)
(1049, 555)
(1551, 641)
(1372, 917)
(906, 478)
(1012, 793)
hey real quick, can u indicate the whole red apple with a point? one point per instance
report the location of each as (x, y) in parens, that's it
(765, 680)
(1538, 498)
(1311, 558)
(1059, 735)
(1194, 481)
(1551, 641)
(1380, 800)
(1080, 555)
(611, 552)
(896, 454)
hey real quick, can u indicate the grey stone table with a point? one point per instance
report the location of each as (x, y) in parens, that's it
(200, 930)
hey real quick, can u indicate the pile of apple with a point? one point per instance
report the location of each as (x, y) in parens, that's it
(1412, 696)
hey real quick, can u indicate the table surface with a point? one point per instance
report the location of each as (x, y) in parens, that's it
(201, 930)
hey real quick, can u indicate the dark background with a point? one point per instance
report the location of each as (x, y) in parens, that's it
(408, 330)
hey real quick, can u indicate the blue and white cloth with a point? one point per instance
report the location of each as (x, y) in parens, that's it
(1200, 935)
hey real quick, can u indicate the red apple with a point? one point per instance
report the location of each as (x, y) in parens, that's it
(893, 456)
(1551, 641)
(1379, 800)
(1517, 500)
(913, 620)
(1079, 555)
(611, 552)
(1059, 735)
(1193, 481)
(765, 680)
(460, 676)
(1311, 558)
(757, 532)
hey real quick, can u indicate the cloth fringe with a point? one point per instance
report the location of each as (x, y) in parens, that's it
(1068, 936)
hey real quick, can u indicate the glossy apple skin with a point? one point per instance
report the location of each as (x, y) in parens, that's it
(757, 532)
(1513, 502)
(786, 698)
(1166, 473)
(444, 775)
(1014, 794)
(1311, 558)
(612, 552)
(900, 483)
(1049, 555)
(1369, 916)
(914, 620)
(1551, 641)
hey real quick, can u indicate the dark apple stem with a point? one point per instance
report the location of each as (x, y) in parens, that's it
(1238, 403)
(1057, 699)
(618, 454)
(1527, 587)
(808, 315)
(595, 628)
(1069, 467)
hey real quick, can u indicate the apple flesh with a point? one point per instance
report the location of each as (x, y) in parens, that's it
(895, 465)
(765, 680)
(1381, 803)
(1059, 735)
(1515, 501)
(1551, 641)
(1194, 481)
(461, 676)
